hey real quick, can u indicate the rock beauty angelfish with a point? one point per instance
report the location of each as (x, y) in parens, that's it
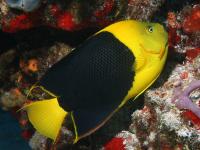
(91, 83)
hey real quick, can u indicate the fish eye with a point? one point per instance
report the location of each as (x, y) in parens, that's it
(150, 29)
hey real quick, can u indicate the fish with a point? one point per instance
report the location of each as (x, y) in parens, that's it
(98, 77)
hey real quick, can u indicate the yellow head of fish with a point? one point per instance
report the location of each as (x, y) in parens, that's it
(149, 44)
(141, 37)
(153, 39)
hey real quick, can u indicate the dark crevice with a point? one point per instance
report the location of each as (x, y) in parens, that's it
(42, 37)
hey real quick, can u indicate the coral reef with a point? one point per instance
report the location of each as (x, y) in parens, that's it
(169, 118)
(72, 15)
(182, 100)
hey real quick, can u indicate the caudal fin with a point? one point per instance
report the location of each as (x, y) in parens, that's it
(46, 116)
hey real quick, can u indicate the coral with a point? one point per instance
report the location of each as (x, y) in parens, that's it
(192, 22)
(184, 37)
(25, 5)
(72, 15)
(162, 125)
(20, 22)
(56, 14)
(129, 139)
(30, 66)
(38, 141)
(142, 10)
(11, 99)
(115, 143)
(65, 21)
(189, 115)
(193, 53)
(182, 100)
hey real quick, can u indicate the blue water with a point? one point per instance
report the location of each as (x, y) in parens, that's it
(10, 133)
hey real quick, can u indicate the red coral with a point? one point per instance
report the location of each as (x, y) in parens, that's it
(20, 22)
(115, 144)
(192, 53)
(65, 21)
(189, 115)
(173, 26)
(172, 21)
(173, 37)
(192, 22)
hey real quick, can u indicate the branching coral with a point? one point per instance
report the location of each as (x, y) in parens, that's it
(182, 100)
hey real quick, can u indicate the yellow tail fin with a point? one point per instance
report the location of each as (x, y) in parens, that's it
(46, 116)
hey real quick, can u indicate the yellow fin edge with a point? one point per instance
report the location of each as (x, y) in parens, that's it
(75, 129)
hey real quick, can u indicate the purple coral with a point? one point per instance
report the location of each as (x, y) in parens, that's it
(181, 98)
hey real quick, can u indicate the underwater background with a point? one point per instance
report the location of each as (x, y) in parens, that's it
(35, 34)
(11, 133)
